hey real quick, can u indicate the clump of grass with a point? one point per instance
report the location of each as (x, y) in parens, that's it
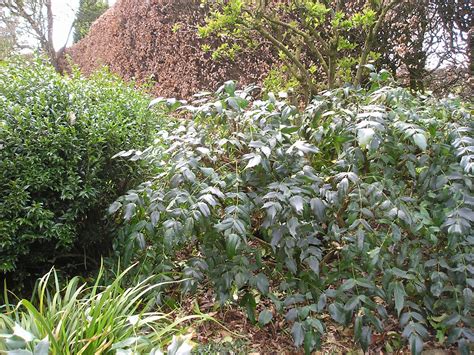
(82, 319)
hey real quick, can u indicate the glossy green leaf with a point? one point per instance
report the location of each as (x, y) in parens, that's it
(399, 296)
(420, 140)
(265, 317)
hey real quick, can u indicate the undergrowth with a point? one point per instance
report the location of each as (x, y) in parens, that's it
(83, 319)
(360, 206)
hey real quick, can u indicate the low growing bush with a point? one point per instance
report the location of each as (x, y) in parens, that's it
(57, 137)
(82, 319)
(359, 207)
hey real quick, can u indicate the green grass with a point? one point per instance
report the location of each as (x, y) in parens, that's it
(78, 319)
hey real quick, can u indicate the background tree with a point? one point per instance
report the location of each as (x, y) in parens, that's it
(326, 42)
(332, 41)
(457, 20)
(420, 37)
(89, 11)
(403, 40)
(35, 20)
(8, 35)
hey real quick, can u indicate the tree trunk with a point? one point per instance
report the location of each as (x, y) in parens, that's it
(49, 45)
(470, 53)
(332, 69)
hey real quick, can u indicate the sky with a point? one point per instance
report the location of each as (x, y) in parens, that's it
(64, 11)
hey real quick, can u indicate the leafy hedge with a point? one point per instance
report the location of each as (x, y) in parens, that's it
(360, 207)
(57, 137)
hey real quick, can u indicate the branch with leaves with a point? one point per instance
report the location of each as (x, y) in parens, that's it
(36, 17)
(314, 39)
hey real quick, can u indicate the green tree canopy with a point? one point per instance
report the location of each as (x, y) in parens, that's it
(319, 42)
(89, 11)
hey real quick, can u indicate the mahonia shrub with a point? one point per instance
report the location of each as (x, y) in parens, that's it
(357, 209)
(57, 176)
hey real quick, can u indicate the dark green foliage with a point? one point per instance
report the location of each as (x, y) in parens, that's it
(359, 207)
(57, 137)
(89, 11)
